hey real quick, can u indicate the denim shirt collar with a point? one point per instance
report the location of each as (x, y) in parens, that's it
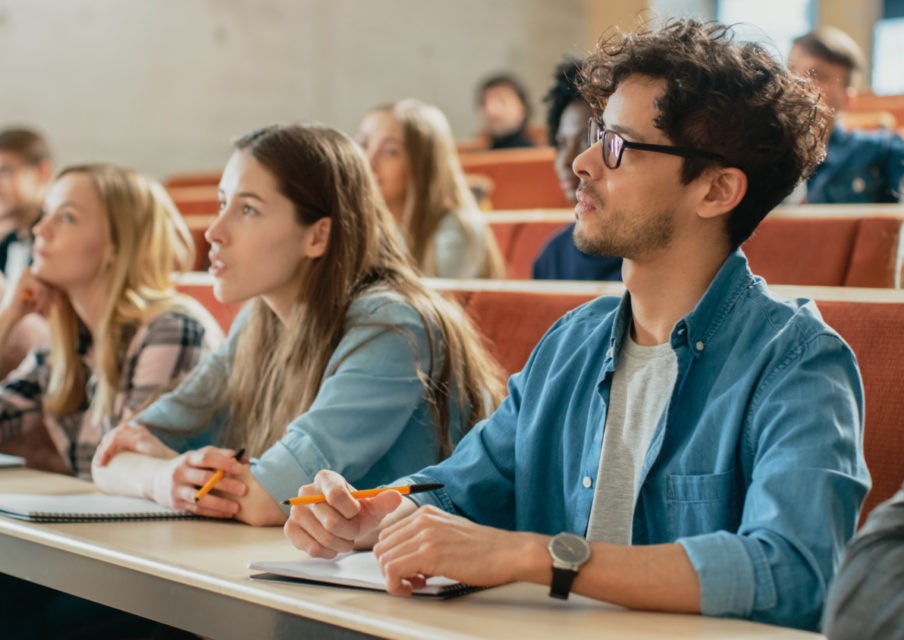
(696, 328)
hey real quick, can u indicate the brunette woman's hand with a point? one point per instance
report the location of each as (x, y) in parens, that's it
(177, 481)
(127, 437)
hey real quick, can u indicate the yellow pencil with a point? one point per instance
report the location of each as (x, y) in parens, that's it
(215, 478)
(367, 493)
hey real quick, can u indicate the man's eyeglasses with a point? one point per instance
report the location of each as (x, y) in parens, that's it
(614, 146)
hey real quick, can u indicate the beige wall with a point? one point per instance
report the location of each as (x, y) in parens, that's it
(163, 85)
(857, 18)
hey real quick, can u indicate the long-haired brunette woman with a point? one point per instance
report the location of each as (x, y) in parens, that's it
(343, 359)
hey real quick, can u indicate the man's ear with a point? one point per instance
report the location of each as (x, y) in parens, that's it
(727, 187)
(318, 238)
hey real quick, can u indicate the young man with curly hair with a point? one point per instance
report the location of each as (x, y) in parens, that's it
(694, 446)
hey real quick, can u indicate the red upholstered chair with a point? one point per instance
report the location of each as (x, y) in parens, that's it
(802, 251)
(521, 178)
(875, 331)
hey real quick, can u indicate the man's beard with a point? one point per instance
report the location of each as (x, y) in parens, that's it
(626, 237)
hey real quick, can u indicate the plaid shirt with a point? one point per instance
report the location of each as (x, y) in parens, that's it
(158, 353)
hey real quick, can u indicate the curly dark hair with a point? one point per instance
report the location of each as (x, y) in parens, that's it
(731, 98)
(561, 94)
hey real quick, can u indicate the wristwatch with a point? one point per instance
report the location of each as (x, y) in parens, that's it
(568, 553)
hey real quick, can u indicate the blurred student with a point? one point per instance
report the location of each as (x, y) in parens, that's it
(26, 168)
(343, 358)
(566, 120)
(505, 111)
(860, 166)
(412, 154)
(104, 255)
(866, 599)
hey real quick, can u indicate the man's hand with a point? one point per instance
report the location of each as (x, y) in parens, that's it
(431, 542)
(343, 522)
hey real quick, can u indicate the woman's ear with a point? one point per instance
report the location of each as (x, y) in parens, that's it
(727, 187)
(318, 238)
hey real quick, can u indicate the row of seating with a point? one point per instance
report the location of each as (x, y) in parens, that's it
(504, 179)
(513, 316)
(827, 245)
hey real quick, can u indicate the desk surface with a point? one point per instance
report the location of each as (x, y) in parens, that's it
(193, 574)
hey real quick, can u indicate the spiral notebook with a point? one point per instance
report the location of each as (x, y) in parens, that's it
(358, 570)
(83, 507)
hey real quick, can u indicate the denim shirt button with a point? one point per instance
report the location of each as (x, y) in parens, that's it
(699, 345)
(587, 482)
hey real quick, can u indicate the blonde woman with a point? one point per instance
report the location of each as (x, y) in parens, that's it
(342, 359)
(412, 154)
(103, 259)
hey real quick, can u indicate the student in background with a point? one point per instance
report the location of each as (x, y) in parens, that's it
(104, 255)
(343, 358)
(26, 168)
(567, 119)
(673, 449)
(860, 166)
(505, 111)
(866, 599)
(412, 154)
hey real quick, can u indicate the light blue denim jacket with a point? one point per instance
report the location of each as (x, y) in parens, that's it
(756, 466)
(370, 420)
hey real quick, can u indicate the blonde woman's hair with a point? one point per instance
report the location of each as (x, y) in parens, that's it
(437, 188)
(278, 368)
(150, 242)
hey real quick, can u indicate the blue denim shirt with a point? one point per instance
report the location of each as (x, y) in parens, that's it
(370, 420)
(860, 166)
(756, 466)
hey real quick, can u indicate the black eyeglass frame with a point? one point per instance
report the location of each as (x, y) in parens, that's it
(602, 135)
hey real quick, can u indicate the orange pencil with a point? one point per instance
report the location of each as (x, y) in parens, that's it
(27, 295)
(215, 478)
(368, 493)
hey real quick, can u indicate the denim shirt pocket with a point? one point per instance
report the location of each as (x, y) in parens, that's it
(698, 504)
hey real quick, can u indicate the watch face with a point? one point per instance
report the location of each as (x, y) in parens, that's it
(568, 547)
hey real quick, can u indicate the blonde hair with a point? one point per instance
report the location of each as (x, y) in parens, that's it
(150, 241)
(437, 188)
(278, 368)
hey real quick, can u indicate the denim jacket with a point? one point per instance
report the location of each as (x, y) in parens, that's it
(756, 465)
(370, 421)
(860, 167)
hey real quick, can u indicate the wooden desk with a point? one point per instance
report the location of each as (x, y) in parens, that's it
(192, 574)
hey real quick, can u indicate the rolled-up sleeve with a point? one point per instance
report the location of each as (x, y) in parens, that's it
(807, 481)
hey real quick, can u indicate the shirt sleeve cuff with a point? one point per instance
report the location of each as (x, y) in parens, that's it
(282, 474)
(727, 572)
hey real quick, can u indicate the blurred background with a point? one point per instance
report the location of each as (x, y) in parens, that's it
(163, 85)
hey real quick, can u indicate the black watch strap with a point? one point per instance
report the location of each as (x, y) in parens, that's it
(562, 580)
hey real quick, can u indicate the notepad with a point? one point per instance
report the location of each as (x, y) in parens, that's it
(83, 507)
(359, 570)
(7, 460)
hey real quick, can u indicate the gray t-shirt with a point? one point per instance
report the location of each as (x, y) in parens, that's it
(641, 388)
